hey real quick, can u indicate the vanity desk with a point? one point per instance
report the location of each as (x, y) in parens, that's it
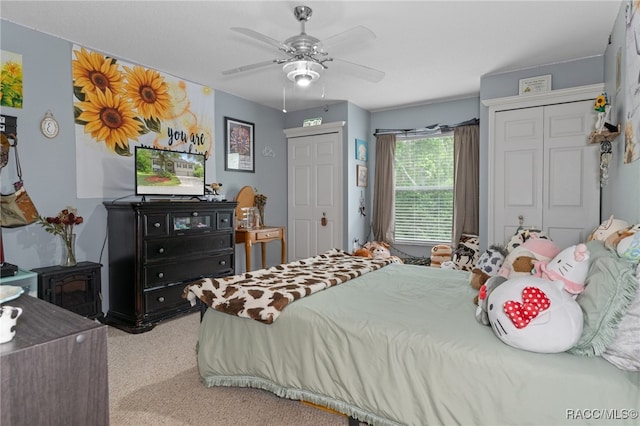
(262, 235)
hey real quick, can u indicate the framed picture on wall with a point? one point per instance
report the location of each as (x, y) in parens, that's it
(361, 175)
(362, 150)
(239, 153)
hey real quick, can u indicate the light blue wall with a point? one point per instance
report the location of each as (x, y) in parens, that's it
(270, 177)
(621, 197)
(359, 226)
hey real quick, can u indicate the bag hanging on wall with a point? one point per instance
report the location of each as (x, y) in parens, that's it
(5, 146)
(17, 209)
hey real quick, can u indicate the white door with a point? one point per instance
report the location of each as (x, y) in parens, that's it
(546, 173)
(315, 214)
(518, 169)
(571, 184)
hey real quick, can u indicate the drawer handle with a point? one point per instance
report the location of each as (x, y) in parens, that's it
(160, 299)
(194, 214)
(156, 225)
(225, 220)
(80, 338)
(160, 274)
(161, 250)
(223, 262)
(268, 235)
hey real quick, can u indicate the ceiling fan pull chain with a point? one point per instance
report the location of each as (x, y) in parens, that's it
(284, 99)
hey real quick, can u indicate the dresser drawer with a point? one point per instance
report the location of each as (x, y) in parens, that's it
(170, 272)
(163, 298)
(224, 220)
(155, 224)
(167, 248)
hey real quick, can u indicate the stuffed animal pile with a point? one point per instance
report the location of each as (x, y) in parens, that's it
(376, 250)
(529, 301)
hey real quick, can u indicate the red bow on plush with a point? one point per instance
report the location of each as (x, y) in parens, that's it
(482, 293)
(534, 301)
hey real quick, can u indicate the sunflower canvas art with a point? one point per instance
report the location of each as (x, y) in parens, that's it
(11, 79)
(118, 105)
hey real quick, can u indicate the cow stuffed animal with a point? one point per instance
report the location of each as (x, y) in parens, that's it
(487, 266)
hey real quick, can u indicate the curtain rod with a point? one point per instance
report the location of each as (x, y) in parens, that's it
(427, 130)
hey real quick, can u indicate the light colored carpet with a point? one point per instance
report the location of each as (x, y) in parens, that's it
(153, 380)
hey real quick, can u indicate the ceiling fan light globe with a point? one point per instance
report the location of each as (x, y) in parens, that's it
(303, 80)
(302, 73)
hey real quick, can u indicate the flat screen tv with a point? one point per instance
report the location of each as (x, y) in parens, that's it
(162, 172)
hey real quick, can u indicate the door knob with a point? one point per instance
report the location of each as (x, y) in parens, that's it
(323, 220)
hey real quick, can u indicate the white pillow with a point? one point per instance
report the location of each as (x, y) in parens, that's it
(624, 351)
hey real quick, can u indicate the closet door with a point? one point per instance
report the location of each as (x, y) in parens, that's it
(546, 172)
(518, 172)
(315, 199)
(571, 184)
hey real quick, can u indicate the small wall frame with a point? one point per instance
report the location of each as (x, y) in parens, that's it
(361, 176)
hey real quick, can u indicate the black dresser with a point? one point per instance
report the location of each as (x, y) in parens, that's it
(155, 249)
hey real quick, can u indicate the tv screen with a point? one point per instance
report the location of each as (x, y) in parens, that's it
(170, 173)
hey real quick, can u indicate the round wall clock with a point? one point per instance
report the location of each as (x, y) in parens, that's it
(49, 125)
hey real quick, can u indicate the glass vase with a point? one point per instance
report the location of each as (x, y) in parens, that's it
(69, 251)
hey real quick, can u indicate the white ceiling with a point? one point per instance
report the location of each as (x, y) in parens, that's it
(429, 50)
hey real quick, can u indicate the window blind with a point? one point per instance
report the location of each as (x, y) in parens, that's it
(424, 188)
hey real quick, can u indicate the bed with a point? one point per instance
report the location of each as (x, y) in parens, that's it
(401, 345)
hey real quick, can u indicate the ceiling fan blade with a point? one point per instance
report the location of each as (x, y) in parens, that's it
(261, 37)
(249, 67)
(352, 36)
(366, 73)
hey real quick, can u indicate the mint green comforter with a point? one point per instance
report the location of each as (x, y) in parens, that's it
(401, 345)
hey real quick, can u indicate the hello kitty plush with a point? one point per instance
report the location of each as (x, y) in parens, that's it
(570, 266)
(535, 314)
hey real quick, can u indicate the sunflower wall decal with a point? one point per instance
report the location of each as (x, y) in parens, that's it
(118, 105)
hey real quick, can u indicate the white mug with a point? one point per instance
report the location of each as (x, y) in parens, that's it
(8, 319)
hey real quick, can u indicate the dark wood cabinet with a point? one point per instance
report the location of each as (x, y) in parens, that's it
(54, 371)
(76, 288)
(155, 249)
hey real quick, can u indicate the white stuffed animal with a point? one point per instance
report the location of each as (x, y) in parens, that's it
(570, 266)
(535, 314)
(606, 228)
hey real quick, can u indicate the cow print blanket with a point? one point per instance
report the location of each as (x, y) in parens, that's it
(263, 294)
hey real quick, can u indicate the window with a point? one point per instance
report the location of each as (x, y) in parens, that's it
(424, 188)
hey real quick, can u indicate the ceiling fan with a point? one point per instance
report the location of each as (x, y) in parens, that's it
(306, 56)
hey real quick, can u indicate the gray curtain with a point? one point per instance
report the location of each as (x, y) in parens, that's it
(384, 189)
(466, 190)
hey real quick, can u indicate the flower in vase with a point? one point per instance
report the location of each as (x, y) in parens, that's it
(62, 225)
